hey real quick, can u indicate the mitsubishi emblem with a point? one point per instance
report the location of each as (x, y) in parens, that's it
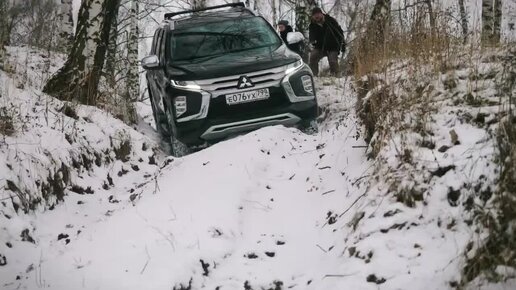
(244, 82)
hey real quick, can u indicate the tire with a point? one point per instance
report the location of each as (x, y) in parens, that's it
(177, 148)
(309, 127)
(155, 113)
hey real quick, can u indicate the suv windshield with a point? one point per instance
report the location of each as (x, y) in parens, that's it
(217, 38)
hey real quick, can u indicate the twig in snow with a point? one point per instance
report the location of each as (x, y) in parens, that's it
(359, 146)
(325, 167)
(356, 200)
(339, 275)
(168, 239)
(263, 207)
(322, 249)
(329, 191)
(360, 178)
(147, 262)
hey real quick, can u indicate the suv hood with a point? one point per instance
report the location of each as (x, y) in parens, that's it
(231, 64)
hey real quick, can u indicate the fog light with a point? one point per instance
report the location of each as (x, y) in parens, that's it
(307, 84)
(289, 89)
(180, 105)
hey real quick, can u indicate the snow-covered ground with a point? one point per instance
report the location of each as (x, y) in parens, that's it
(272, 209)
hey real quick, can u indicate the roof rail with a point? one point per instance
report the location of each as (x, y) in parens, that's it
(173, 14)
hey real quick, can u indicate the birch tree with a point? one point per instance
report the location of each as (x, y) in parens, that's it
(79, 78)
(198, 4)
(303, 15)
(491, 20)
(112, 58)
(378, 22)
(133, 82)
(3, 31)
(65, 17)
(463, 20)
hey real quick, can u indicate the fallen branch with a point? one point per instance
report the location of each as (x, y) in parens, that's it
(329, 191)
(356, 200)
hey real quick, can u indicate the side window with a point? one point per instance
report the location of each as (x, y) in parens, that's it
(162, 47)
(157, 50)
(154, 40)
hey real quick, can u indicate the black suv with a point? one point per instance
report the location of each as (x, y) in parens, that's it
(220, 71)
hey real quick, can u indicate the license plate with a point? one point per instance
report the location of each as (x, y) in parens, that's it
(246, 97)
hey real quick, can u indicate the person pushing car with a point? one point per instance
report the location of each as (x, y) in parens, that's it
(284, 29)
(327, 39)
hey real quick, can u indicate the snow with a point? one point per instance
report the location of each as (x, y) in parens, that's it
(273, 207)
(32, 67)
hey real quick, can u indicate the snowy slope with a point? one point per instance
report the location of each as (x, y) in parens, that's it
(255, 208)
(273, 209)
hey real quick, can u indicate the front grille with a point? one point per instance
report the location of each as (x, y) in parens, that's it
(219, 107)
(260, 79)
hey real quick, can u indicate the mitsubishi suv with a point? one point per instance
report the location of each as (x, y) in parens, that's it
(221, 71)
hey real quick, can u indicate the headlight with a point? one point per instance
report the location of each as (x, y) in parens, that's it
(185, 85)
(293, 67)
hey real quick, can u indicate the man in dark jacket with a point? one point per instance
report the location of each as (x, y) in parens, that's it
(284, 29)
(327, 39)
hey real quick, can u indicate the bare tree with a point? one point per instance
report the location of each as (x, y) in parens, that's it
(65, 17)
(79, 77)
(3, 31)
(463, 20)
(274, 11)
(197, 4)
(431, 15)
(112, 51)
(378, 21)
(133, 82)
(303, 11)
(491, 20)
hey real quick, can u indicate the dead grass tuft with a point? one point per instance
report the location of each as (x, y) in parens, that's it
(6, 122)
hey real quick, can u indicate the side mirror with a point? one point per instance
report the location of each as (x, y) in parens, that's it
(150, 62)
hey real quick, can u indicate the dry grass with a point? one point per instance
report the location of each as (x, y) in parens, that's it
(499, 249)
(6, 122)
(417, 50)
(393, 76)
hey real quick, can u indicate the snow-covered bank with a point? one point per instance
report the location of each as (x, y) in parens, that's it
(273, 209)
(434, 138)
(60, 156)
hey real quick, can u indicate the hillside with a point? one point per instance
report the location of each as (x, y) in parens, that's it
(273, 209)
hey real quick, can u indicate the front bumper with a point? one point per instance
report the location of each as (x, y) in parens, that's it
(209, 118)
(198, 132)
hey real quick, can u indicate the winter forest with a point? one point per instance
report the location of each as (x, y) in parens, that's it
(404, 179)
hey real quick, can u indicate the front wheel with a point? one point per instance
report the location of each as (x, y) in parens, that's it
(309, 127)
(177, 148)
(157, 117)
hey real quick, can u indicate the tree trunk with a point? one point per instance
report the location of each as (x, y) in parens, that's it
(198, 4)
(65, 18)
(491, 21)
(133, 82)
(431, 16)
(463, 20)
(378, 22)
(303, 15)
(78, 79)
(3, 31)
(274, 13)
(112, 51)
